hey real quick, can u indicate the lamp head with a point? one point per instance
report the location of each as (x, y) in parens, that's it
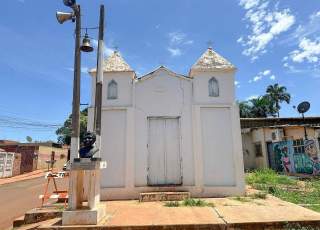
(69, 3)
(62, 17)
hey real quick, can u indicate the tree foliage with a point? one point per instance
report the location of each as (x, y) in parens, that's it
(29, 139)
(277, 94)
(266, 105)
(64, 132)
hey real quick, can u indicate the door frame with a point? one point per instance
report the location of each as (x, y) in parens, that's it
(179, 153)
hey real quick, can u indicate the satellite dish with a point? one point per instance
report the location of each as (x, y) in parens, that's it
(303, 107)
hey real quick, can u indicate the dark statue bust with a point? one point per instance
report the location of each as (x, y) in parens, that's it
(88, 148)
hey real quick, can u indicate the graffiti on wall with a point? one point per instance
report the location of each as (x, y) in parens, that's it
(283, 156)
(291, 159)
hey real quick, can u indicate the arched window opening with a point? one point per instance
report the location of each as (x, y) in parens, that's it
(112, 90)
(213, 87)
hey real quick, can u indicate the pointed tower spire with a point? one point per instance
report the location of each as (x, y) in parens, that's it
(116, 63)
(210, 60)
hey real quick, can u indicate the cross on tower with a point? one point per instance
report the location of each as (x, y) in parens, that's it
(116, 48)
(210, 43)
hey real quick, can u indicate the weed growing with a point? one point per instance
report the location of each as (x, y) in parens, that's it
(190, 202)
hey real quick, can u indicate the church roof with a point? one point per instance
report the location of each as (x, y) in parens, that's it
(170, 72)
(115, 63)
(210, 60)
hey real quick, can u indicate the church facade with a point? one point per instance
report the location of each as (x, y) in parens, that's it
(169, 132)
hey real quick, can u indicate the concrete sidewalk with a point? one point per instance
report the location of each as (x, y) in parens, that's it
(226, 213)
(25, 176)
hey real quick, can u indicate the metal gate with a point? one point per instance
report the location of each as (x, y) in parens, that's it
(6, 164)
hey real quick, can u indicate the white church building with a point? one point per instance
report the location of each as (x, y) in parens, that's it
(169, 132)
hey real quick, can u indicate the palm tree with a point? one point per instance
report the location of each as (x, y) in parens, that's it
(245, 109)
(277, 94)
(262, 107)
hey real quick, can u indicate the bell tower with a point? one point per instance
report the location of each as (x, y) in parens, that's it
(213, 79)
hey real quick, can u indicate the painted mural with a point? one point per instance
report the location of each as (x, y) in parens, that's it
(290, 158)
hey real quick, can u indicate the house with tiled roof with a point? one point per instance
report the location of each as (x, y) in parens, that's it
(166, 131)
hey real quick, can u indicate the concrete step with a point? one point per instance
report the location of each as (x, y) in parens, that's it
(41, 214)
(18, 222)
(163, 196)
(38, 225)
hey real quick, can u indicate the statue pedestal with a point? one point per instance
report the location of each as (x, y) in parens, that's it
(77, 213)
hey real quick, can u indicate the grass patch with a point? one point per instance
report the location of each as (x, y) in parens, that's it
(286, 188)
(268, 177)
(172, 204)
(190, 202)
(259, 195)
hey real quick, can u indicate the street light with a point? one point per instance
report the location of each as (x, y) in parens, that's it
(75, 16)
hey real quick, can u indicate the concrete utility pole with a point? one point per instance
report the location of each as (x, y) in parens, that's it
(75, 135)
(99, 82)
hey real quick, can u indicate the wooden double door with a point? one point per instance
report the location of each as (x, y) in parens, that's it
(164, 158)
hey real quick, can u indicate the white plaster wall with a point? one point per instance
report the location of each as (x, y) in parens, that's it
(163, 95)
(125, 82)
(125, 133)
(218, 150)
(113, 147)
(226, 87)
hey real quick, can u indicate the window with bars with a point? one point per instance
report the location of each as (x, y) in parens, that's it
(298, 146)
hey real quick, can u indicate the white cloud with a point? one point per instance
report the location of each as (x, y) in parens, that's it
(266, 72)
(83, 69)
(237, 84)
(261, 75)
(309, 29)
(257, 78)
(247, 4)
(265, 25)
(308, 51)
(272, 77)
(177, 40)
(306, 56)
(175, 52)
(252, 97)
(107, 50)
(177, 37)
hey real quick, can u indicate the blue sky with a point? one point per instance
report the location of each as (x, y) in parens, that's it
(269, 42)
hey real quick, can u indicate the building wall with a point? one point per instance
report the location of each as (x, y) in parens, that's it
(207, 169)
(28, 156)
(264, 135)
(16, 164)
(44, 154)
(163, 96)
(249, 157)
(226, 87)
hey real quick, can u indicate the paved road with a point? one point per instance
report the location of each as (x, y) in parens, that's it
(19, 197)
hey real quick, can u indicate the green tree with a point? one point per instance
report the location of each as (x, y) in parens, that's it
(277, 94)
(64, 132)
(245, 109)
(262, 107)
(29, 139)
